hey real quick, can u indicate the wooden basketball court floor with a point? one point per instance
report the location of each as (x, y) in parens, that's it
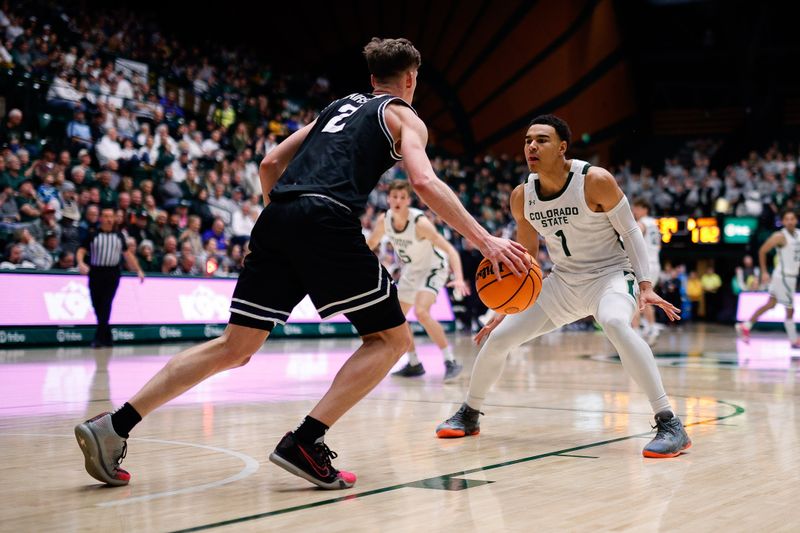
(560, 447)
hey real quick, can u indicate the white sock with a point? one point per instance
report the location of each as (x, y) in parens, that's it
(748, 325)
(791, 330)
(447, 353)
(413, 360)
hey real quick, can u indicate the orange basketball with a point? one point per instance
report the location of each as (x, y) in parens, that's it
(510, 294)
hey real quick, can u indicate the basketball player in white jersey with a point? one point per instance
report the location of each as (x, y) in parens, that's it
(424, 255)
(652, 241)
(581, 213)
(784, 277)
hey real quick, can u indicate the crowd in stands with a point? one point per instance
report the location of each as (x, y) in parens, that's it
(169, 136)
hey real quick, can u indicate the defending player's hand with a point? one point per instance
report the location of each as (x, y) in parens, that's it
(460, 286)
(513, 254)
(488, 328)
(648, 297)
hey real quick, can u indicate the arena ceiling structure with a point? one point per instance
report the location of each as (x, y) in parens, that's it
(614, 69)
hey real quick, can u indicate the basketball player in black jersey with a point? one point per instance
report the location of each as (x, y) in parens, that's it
(308, 240)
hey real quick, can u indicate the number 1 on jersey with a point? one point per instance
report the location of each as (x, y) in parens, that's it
(563, 237)
(333, 125)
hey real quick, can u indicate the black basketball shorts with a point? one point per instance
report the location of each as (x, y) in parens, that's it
(313, 245)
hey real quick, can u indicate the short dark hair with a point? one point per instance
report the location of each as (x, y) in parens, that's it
(787, 211)
(400, 185)
(387, 58)
(561, 127)
(641, 202)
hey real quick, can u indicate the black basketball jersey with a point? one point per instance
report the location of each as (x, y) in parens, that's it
(344, 154)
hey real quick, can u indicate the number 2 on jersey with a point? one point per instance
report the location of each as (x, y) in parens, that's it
(333, 124)
(560, 233)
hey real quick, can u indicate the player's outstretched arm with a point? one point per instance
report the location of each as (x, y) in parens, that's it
(602, 191)
(378, 229)
(775, 240)
(406, 126)
(275, 162)
(426, 230)
(527, 237)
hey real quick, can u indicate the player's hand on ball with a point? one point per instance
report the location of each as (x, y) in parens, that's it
(513, 254)
(460, 286)
(488, 328)
(649, 297)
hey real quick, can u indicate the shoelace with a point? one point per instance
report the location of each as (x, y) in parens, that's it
(325, 454)
(461, 414)
(124, 452)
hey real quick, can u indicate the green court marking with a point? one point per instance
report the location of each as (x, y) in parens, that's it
(575, 455)
(442, 481)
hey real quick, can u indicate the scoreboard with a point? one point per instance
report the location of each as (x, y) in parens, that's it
(690, 231)
(701, 230)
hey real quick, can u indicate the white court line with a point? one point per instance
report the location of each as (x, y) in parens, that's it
(251, 465)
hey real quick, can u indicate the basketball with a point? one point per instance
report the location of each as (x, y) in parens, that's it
(510, 294)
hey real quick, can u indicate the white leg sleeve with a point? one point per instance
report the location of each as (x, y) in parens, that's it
(512, 332)
(614, 313)
(791, 329)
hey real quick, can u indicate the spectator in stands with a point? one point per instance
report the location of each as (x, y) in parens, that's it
(169, 192)
(217, 231)
(13, 175)
(9, 213)
(748, 275)
(192, 235)
(147, 258)
(169, 263)
(711, 283)
(12, 132)
(187, 265)
(14, 258)
(52, 244)
(44, 224)
(32, 250)
(90, 220)
(243, 223)
(79, 132)
(694, 291)
(30, 207)
(225, 116)
(66, 261)
(108, 149)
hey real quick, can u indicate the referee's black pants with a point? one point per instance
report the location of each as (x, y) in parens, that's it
(103, 283)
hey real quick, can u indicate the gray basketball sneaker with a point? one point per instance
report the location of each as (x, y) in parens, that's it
(410, 371)
(462, 424)
(103, 450)
(671, 438)
(451, 370)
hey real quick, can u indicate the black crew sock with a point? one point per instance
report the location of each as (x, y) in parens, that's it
(124, 419)
(310, 431)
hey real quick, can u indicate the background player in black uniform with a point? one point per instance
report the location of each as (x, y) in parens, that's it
(308, 240)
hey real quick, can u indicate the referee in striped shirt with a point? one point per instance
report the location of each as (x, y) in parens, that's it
(105, 248)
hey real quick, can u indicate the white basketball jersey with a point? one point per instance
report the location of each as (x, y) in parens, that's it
(789, 254)
(582, 244)
(652, 239)
(416, 253)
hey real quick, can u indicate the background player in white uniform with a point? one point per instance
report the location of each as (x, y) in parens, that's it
(581, 213)
(424, 255)
(784, 277)
(652, 241)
